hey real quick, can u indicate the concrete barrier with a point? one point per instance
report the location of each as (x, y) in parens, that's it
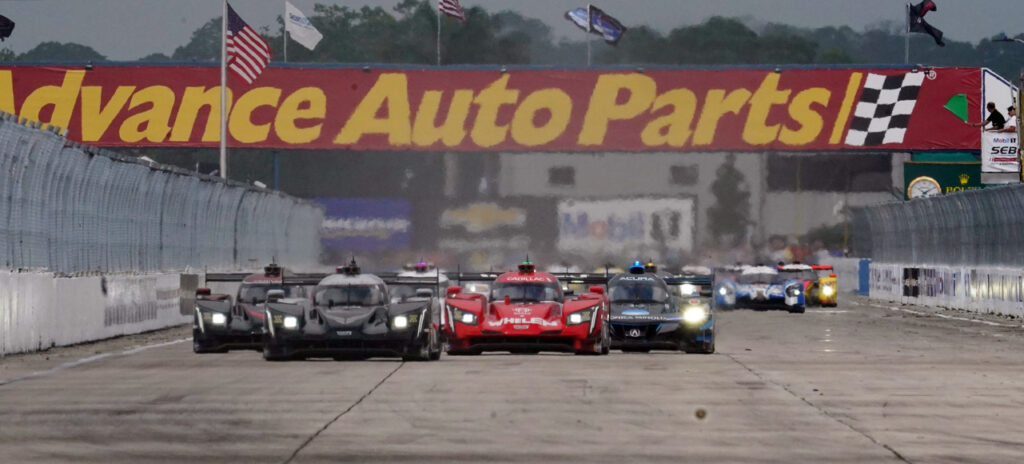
(43, 310)
(985, 290)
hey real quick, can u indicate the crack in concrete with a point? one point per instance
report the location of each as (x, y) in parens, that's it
(341, 414)
(821, 410)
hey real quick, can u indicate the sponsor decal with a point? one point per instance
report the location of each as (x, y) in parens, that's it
(635, 312)
(635, 333)
(522, 311)
(738, 109)
(527, 278)
(636, 278)
(523, 321)
(344, 333)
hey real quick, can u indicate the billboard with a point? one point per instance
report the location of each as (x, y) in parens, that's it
(492, 109)
(999, 152)
(642, 226)
(365, 224)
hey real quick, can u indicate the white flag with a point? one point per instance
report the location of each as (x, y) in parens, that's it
(299, 27)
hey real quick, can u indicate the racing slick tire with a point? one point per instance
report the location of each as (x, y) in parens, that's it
(422, 352)
(435, 352)
(200, 348)
(797, 310)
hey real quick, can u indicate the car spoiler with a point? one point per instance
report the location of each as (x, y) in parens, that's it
(227, 276)
(690, 279)
(820, 267)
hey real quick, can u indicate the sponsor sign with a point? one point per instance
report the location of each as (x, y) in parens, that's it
(483, 109)
(483, 217)
(365, 224)
(999, 152)
(636, 226)
(951, 176)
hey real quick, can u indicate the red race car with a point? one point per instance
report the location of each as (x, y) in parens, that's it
(526, 312)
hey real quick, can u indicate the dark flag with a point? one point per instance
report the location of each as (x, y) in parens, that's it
(6, 27)
(594, 20)
(916, 22)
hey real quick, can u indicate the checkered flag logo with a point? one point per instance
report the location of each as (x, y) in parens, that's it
(883, 112)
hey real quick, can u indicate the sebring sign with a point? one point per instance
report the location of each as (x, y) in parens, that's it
(477, 109)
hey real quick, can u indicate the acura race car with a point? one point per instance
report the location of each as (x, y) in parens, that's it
(761, 287)
(351, 315)
(220, 325)
(650, 312)
(526, 312)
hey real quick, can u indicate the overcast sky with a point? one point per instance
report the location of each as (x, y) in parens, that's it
(129, 29)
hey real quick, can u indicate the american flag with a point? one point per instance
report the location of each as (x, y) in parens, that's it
(452, 8)
(248, 53)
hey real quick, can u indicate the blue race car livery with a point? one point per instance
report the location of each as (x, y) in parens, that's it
(761, 287)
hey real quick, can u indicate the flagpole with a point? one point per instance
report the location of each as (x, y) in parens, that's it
(284, 31)
(590, 22)
(439, 32)
(906, 37)
(224, 90)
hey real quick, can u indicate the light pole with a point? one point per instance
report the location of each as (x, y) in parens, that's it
(1020, 92)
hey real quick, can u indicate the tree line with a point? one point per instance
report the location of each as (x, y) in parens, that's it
(405, 34)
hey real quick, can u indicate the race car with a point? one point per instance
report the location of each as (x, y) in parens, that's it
(761, 287)
(220, 325)
(351, 316)
(421, 278)
(526, 312)
(805, 274)
(646, 313)
(828, 285)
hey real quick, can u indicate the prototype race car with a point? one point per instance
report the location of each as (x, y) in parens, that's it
(526, 312)
(351, 316)
(220, 325)
(805, 274)
(761, 287)
(828, 286)
(649, 312)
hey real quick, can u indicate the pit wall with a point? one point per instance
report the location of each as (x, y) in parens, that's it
(43, 310)
(984, 290)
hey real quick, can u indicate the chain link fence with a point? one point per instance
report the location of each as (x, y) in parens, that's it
(72, 209)
(975, 227)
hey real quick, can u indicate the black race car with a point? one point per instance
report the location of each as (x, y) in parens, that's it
(220, 325)
(352, 315)
(651, 312)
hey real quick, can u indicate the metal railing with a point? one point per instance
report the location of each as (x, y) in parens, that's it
(68, 208)
(975, 227)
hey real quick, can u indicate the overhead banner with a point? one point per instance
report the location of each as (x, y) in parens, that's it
(639, 226)
(365, 224)
(491, 109)
(999, 152)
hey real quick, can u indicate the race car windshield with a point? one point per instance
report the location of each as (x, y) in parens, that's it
(248, 292)
(527, 292)
(765, 278)
(807, 274)
(638, 293)
(403, 293)
(350, 295)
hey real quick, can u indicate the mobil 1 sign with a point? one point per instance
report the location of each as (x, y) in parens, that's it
(999, 152)
(632, 225)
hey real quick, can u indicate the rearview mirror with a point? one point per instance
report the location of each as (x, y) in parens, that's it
(596, 289)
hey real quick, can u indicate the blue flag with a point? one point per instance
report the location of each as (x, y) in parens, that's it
(597, 22)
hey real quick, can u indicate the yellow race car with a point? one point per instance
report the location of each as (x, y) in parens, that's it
(828, 286)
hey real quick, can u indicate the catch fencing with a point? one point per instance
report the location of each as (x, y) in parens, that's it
(970, 228)
(71, 209)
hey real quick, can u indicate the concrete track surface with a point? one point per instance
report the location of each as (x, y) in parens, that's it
(857, 383)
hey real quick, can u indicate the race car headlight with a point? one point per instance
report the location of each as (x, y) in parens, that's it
(463, 316)
(400, 322)
(793, 291)
(695, 314)
(579, 317)
(218, 319)
(722, 291)
(290, 322)
(575, 318)
(827, 290)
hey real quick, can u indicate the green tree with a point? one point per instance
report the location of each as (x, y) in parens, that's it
(727, 217)
(61, 52)
(204, 44)
(155, 57)
(7, 55)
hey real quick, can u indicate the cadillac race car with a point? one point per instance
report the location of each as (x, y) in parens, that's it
(828, 286)
(761, 287)
(805, 274)
(649, 312)
(526, 312)
(220, 325)
(351, 316)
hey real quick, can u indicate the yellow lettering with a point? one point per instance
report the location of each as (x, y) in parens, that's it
(604, 106)
(153, 124)
(240, 123)
(7, 92)
(486, 131)
(62, 98)
(392, 90)
(451, 131)
(556, 102)
(305, 103)
(717, 104)
(757, 131)
(192, 102)
(810, 121)
(96, 118)
(852, 86)
(672, 129)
